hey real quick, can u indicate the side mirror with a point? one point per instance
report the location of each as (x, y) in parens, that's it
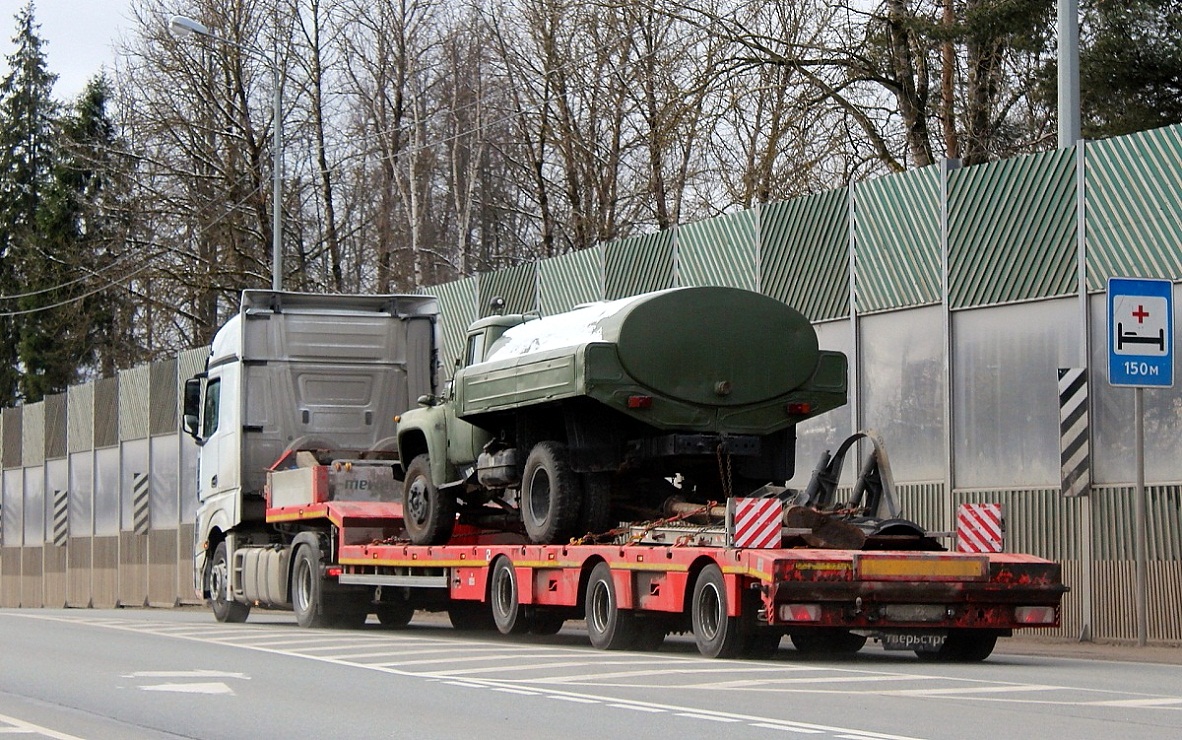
(192, 407)
(427, 399)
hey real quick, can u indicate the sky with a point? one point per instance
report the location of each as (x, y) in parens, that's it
(79, 36)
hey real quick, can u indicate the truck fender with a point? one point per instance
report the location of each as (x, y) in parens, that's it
(424, 431)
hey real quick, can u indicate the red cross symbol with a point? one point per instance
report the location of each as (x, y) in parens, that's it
(1141, 314)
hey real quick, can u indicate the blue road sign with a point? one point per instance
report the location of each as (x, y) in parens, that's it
(1141, 332)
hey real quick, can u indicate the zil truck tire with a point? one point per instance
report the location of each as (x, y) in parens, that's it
(429, 516)
(225, 609)
(608, 626)
(507, 611)
(550, 494)
(717, 635)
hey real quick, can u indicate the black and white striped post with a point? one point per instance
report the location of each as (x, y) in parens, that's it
(1074, 446)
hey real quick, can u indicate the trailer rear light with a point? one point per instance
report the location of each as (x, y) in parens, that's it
(333, 571)
(1034, 615)
(800, 612)
(799, 409)
(640, 402)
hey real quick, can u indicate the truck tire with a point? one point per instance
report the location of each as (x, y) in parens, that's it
(307, 588)
(507, 612)
(966, 646)
(225, 609)
(717, 635)
(826, 641)
(550, 494)
(428, 515)
(608, 626)
(546, 623)
(595, 507)
(650, 634)
(394, 615)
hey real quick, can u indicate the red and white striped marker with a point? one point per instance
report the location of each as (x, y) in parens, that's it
(980, 528)
(757, 522)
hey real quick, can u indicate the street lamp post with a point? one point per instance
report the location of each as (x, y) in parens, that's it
(180, 26)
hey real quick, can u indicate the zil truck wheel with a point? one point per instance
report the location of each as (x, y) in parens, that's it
(717, 635)
(550, 494)
(608, 626)
(225, 609)
(429, 516)
(507, 611)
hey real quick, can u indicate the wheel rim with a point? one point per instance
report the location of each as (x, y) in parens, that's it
(303, 586)
(218, 578)
(600, 607)
(709, 611)
(416, 501)
(504, 593)
(539, 495)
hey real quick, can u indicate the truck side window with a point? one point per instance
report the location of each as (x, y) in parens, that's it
(209, 420)
(475, 349)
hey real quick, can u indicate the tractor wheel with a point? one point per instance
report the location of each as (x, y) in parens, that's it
(429, 516)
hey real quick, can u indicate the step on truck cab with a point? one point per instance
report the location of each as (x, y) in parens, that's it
(295, 371)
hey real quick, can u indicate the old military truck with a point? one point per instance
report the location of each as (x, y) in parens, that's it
(569, 422)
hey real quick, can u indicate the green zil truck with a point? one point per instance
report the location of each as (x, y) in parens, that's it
(565, 424)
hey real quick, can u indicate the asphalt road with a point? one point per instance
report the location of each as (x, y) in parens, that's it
(177, 673)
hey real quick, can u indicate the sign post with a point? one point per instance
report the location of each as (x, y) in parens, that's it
(1140, 355)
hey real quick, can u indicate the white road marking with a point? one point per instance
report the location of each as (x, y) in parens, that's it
(19, 726)
(997, 689)
(215, 687)
(466, 659)
(707, 717)
(187, 674)
(575, 699)
(638, 708)
(785, 728)
(538, 666)
(1156, 702)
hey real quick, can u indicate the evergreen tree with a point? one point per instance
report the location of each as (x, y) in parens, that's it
(1130, 66)
(27, 112)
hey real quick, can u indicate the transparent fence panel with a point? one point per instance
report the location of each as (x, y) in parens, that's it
(57, 478)
(163, 494)
(81, 494)
(34, 506)
(106, 491)
(135, 460)
(188, 478)
(14, 506)
(824, 432)
(1005, 390)
(1114, 458)
(902, 389)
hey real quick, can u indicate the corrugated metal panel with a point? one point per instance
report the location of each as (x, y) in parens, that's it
(897, 240)
(720, 251)
(1040, 522)
(1113, 518)
(804, 257)
(133, 402)
(1133, 187)
(923, 503)
(78, 571)
(518, 286)
(33, 435)
(10, 421)
(80, 417)
(104, 582)
(55, 426)
(54, 577)
(163, 406)
(133, 569)
(190, 363)
(32, 579)
(570, 279)
(106, 412)
(1012, 229)
(457, 307)
(162, 565)
(639, 265)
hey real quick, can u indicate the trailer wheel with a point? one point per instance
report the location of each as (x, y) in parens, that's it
(717, 635)
(306, 585)
(827, 641)
(507, 612)
(609, 627)
(429, 516)
(470, 616)
(550, 494)
(394, 615)
(225, 609)
(968, 646)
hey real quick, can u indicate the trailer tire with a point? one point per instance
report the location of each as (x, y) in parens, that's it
(650, 634)
(550, 494)
(608, 626)
(717, 634)
(827, 641)
(470, 616)
(962, 647)
(306, 588)
(507, 612)
(394, 615)
(225, 609)
(428, 515)
(761, 644)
